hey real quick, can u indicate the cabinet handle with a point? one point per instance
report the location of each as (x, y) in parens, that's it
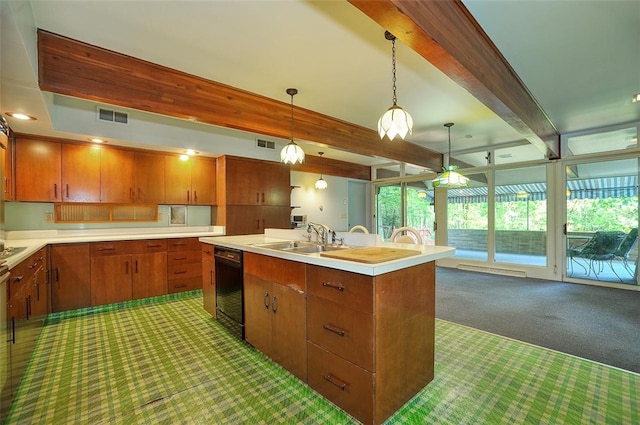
(338, 286)
(180, 272)
(187, 196)
(211, 280)
(153, 246)
(195, 196)
(126, 267)
(263, 197)
(335, 381)
(131, 196)
(57, 276)
(67, 190)
(55, 191)
(37, 286)
(263, 223)
(333, 329)
(107, 249)
(180, 286)
(179, 258)
(257, 197)
(136, 266)
(13, 331)
(274, 305)
(266, 300)
(18, 279)
(28, 306)
(258, 224)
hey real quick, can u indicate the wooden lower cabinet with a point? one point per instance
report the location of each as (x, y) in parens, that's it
(149, 277)
(70, 276)
(370, 338)
(208, 279)
(184, 265)
(111, 279)
(274, 291)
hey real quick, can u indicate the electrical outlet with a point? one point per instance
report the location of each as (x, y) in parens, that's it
(48, 217)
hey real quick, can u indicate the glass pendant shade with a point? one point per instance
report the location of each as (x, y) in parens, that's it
(450, 178)
(321, 183)
(395, 122)
(292, 153)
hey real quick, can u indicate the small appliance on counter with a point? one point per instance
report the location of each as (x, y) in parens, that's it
(298, 221)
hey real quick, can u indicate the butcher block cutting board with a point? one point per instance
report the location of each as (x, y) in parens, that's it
(371, 254)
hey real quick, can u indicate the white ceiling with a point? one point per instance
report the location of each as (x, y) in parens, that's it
(579, 59)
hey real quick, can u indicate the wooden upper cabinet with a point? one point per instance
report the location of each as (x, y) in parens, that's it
(116, 176)
(80, 173)
(203, 181)
(191, 181)
(8, 168)
(38, 170)
(253, 182)
(149, 177)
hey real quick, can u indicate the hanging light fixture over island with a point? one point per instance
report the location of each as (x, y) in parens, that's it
(292, 153)
(450, 178)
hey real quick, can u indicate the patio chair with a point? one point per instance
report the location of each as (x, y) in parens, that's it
(624, 249)
(406, 235)
(596, 251)
(358, 228)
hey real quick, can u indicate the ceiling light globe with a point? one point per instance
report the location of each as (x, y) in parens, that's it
(321, 184)
(292, 153)
(395, 122)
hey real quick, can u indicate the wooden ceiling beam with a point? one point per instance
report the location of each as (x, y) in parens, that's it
(445, 33)
(77, 69)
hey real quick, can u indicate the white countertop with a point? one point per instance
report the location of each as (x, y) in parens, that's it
(34, 240)
(247, 243)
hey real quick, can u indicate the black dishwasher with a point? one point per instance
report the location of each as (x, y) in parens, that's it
(229, 289)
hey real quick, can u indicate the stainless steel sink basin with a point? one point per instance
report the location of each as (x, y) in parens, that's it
(301, 247)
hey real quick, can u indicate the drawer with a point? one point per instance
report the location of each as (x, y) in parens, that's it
(183, 244)
(350, 289)
(150, 245)
(184, 257)
(343, 383)
(98, 249)
(179, 271)
(184, 284)
(341, 330)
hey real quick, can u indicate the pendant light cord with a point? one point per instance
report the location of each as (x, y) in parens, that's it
(393, 64)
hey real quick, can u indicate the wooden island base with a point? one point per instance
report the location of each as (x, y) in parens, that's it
(369, 340)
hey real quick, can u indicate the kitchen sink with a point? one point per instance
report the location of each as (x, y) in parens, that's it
(301, 247)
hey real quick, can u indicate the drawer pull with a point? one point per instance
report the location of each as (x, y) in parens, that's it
(107, 249)
(179, 286)
(266, 300)
(334, 329)
(335, 381)
(179, 258)
(18, 279)
(180, 272)
(153, 246)
(338, 286)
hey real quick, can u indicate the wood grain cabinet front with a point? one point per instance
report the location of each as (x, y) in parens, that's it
(208, 279)
(70, 276)
(274, 291)
(184, 265)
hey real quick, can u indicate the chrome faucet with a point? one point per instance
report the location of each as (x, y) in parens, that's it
(320, 231)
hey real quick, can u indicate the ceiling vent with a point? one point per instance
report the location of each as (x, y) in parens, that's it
(265, 144)
(113, 116)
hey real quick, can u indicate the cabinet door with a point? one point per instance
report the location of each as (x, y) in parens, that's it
(208, 279)
(276, 217)
(71, 277)
(111, 279)
(116, 176)
(289, 343)
(80, 173)
(6, 155)
(39, 289)
(276, 184)
(149, 178)
(203, 181)
(177, 180)
(242, 182)
(38, 171)
(258, 316)
(149, 274)
(243, 220)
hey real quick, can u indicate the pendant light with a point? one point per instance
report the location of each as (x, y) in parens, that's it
(396, 121)
(450, 178)
(292, 153)
(321, 184)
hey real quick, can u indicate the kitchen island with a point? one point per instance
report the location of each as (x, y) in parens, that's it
(359, 333)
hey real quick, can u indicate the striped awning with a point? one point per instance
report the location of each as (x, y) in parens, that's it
(604, 187)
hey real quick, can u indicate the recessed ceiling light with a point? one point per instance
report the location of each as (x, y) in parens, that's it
(97, 140)
(636, 98)
(20, 116)
(191, 152)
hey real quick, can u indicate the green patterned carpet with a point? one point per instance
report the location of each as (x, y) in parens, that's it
(166, 361)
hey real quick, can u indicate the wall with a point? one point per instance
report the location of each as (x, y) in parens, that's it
(329, 206)
(31, 216)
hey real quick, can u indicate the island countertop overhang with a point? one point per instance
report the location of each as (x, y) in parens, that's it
(250, 243)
